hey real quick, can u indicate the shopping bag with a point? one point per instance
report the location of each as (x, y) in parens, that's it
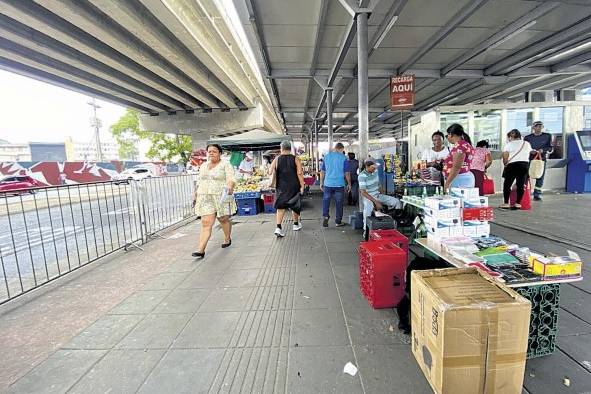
(488, 185)
(536, 167)
(525, 200)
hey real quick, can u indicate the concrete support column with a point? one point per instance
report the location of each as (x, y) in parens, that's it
(329, 116)
(362, 86)
(315, 129)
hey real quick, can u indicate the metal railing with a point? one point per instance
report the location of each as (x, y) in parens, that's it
(48, 232)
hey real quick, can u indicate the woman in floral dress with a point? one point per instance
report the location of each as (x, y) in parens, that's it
(214, 197)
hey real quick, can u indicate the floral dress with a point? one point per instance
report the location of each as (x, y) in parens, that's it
(462, 147)
(212, 183)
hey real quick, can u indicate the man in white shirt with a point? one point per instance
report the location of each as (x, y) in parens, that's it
(246, 167)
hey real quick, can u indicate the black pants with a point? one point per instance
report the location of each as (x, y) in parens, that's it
(515, 172)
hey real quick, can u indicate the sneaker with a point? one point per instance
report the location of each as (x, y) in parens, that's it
(297, 227)
(341, 224)
(325, 222)
(537, 198)
(279, 233)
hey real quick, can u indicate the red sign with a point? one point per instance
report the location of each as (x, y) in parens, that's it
(402, 91)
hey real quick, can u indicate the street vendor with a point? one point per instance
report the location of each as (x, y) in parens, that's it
(435, 156)
(246, 167)
(369, 186)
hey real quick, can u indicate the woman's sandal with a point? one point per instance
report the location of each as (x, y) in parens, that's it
(505, 206)
(227, 244)
(198, 254)
(516, 207)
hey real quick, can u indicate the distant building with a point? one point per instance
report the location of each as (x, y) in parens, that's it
(47, 151)
(14, 152)
(84, 151)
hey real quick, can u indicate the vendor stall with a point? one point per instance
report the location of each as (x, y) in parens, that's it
(253, 193)
(458, 233)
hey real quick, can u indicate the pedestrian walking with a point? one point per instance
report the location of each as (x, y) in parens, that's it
(516, 162)
(480, 162)
(214, 198)
(352, 169)
(541, 144)
(456, 167)
(333, 180)
(289, 180)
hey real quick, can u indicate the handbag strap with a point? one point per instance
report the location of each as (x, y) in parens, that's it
(516, 153)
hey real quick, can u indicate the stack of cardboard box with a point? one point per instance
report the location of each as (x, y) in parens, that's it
(471, 199)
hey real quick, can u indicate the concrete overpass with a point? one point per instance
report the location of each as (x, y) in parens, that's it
(181, 63)
(318, 69)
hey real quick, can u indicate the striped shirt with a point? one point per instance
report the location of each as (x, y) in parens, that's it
(370, 182)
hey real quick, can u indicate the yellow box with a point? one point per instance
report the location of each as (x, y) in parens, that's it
(560, 266)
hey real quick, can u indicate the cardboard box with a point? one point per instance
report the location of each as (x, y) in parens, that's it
(557, 267)
(469, 333)
(476, 228)
(464, 192)
(444, 231)
(439, 203)
(451, 213)
(434, 221)
(478, 202)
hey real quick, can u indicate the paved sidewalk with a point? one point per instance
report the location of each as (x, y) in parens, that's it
(266, 315)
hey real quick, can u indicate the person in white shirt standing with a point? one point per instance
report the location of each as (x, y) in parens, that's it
(516, 162)
(246, 167)
(434, 156)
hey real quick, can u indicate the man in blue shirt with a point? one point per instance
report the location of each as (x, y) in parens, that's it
(333, 178)
(369, 186)
(540, 143)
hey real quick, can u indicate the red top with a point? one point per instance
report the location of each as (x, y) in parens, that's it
(461, 147)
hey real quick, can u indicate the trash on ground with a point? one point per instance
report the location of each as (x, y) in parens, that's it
(177, 235)
(350, 369)
(566, 382)
(391, 329)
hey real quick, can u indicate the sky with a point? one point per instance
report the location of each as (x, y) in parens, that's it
(34, 111)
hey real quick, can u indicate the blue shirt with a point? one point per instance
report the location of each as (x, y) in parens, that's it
(334, 167)
(370, 182)
(352, 167)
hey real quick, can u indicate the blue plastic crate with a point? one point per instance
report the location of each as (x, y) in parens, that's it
(246, 195)
(269, 208)
(247, 211)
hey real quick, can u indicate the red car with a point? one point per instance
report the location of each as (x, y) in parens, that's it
(19, 184)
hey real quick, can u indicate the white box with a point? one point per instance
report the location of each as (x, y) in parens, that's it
(439, 203)
(477, 202)
(451, 213)
(464, 192)
(434, 221)
(445, 231)
(476, 228)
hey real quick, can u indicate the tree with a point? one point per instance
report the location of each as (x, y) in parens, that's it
(163, 147)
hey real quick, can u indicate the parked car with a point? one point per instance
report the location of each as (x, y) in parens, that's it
(136, 174)
(17, 184)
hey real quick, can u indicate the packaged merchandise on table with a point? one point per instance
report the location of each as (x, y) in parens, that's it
(480, 213)
(476, 228)
(441, 203)
(464, 192)
(476, 202)
(557, 267)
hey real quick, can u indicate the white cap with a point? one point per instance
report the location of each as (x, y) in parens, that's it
(250, 155)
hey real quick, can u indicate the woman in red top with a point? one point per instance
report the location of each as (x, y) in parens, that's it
(456, 167)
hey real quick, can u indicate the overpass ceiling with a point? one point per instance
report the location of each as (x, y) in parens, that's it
(157, 56)
(462, 52)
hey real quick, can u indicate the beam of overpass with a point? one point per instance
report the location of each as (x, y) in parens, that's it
(157, 56)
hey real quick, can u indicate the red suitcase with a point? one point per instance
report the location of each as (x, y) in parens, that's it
(390, 235)
(382, 271)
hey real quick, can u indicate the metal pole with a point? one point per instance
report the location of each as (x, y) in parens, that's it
(362, 86)
(329, 115)
(317, 159)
